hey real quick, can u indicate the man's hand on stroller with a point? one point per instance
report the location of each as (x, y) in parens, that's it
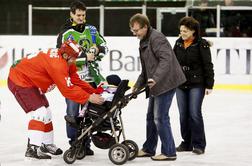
(137, 90)
(134, 90)
(96, 99)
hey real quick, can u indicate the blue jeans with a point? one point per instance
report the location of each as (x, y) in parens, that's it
(191, 120)
(73, 110)
(158, 124)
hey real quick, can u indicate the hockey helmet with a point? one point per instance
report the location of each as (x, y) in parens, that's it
(71, 48)
(103, 140)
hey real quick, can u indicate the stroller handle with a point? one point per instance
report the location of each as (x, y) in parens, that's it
(136, 93)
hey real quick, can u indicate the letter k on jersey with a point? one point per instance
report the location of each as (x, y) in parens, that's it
(68, 81)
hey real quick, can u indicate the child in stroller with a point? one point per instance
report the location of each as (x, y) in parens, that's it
(101, 120)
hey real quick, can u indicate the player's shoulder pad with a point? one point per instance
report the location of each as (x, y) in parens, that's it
(92, 28)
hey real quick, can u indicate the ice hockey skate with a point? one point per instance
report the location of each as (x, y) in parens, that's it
(51, 148)
(34, 151)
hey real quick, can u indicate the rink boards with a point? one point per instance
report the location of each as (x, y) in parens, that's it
(231, 58)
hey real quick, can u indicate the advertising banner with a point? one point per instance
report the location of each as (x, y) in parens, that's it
(231, 57)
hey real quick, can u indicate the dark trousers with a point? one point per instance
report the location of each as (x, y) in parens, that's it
(73, 110)
(158, 125)
(191, 120)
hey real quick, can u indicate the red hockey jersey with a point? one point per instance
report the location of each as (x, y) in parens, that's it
(46, 70)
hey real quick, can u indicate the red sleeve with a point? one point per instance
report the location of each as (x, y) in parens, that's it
(75, 79)
(58, 70)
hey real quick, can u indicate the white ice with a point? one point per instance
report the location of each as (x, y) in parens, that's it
(228, 124)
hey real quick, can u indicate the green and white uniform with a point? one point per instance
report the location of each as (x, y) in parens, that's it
(86, 36)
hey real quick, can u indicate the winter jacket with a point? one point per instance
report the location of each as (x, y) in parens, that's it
(159, 63)
(196, 63)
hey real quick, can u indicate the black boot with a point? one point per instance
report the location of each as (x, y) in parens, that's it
(183, 147)
(89, 152)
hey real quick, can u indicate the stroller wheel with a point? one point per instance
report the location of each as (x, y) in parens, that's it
(118, 154)
(133, 148)
(69, 156)
(81, 153)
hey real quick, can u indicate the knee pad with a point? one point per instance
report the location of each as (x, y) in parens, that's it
(42, 114)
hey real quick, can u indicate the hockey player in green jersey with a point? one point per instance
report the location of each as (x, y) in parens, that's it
(94, 48)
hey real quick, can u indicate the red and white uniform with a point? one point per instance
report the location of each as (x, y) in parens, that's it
(45, 70)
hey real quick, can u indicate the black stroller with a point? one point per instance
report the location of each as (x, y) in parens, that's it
(98, 120)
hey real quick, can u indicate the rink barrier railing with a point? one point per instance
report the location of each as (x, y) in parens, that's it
(159, 13)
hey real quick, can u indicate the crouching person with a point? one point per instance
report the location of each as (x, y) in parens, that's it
(30, 78)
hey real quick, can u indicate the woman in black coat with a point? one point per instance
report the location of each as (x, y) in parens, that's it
(194, 56)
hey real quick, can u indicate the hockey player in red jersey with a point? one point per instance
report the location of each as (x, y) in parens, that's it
(39, 73)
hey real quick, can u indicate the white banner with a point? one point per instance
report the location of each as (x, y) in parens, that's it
(231, 56)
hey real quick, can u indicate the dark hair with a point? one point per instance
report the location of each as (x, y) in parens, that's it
(77, 5)
(191, 24)
(141, 19)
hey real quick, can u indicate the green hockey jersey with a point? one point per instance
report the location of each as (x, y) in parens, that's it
(88, 71)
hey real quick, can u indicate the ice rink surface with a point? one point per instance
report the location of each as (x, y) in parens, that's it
(228, 124)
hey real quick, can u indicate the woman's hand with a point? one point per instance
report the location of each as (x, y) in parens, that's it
(208, 91)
